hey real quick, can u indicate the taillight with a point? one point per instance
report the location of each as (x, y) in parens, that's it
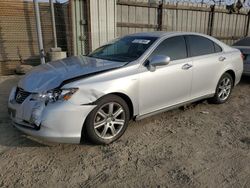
(242, 56)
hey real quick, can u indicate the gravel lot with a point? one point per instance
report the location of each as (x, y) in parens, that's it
(203, 145)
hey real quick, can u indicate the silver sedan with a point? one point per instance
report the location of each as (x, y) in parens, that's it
(129, 78)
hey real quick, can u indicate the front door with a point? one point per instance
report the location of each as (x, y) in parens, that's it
(170, 84)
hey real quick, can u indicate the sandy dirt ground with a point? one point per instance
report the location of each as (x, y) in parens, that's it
(204, 145)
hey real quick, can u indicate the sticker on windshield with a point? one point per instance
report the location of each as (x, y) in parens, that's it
(141, 41)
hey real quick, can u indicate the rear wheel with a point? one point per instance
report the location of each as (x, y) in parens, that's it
(108, 121)
(223, 90)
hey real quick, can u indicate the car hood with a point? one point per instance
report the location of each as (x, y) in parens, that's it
(51, 75)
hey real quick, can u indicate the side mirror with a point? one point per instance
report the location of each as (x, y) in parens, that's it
(158, 60)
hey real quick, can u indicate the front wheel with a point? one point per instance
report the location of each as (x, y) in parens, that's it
(108, 121)
(223, 89)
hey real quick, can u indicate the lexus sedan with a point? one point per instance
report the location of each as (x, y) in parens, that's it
(133, 77)
(244, 46)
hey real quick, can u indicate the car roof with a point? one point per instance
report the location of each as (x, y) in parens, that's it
(164, 33)
(160, 34)
(152, 34)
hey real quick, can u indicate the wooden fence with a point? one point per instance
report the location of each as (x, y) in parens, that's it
(139, 16)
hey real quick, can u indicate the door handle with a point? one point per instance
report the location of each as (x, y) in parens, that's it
(221, 58)
(186, 66)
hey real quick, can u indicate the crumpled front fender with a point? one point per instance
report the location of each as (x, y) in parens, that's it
(89, 93)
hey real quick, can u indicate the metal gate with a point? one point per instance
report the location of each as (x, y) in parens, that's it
(80, 27)
(93, 24)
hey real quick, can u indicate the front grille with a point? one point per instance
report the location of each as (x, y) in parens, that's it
(21, 95)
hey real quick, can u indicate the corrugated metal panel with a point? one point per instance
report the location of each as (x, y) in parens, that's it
(103, 24)
(94, 23)
(78, 19)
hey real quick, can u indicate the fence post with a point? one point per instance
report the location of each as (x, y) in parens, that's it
(159, 16)
(53, 22)
(247, 26)
(211, 20)
(89, 38)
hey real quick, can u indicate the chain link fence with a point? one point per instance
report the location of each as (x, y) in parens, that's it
(18, 37)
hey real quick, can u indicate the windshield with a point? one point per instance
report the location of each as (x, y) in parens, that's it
(126, 49)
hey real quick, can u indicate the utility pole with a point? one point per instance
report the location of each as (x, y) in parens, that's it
(159, 15)
(53, 22)
(39, 32)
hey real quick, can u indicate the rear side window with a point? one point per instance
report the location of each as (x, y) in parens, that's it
(174, 47)
(199, 45)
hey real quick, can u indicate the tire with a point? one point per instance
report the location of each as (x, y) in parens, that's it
(104, 125)
(223, 90)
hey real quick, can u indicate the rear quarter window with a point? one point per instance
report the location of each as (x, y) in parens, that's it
(217, 48)
(199, 45)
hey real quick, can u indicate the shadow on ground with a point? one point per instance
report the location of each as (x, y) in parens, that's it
(245, 80)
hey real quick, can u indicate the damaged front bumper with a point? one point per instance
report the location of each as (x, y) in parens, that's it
(60, 121)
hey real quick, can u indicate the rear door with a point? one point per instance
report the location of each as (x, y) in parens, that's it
(208, 63)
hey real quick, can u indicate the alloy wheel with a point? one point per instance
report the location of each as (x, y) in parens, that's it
(109, 120)
(224, 88)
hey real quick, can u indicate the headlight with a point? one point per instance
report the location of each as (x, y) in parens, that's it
(54, 95)
(66, 94)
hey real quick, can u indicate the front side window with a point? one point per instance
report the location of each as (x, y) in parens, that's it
(199, 45)
(174, 47)
(126, 49)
